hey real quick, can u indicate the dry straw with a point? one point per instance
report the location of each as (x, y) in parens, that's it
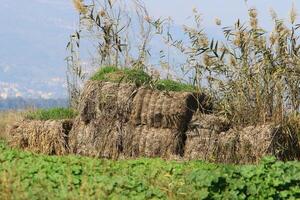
(47, 137)
(210, 138)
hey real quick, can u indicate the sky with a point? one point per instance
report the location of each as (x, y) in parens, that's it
(228, 10)
(34, 34)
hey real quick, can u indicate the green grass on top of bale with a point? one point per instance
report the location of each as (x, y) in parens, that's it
(140, 77)
(114, 74)
(171, 85)
(51, 114)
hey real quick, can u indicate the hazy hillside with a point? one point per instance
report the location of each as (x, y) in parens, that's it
(33, 46)
(21, 103)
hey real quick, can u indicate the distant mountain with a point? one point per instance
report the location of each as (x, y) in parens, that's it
(21, 103)
(33, 38)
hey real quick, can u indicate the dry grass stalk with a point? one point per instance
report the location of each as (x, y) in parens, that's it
(253, 81)
(109, 26)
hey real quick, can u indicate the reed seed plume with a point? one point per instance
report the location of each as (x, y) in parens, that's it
(293, 14)
(273, 14)
(79, 6)
(218, 21)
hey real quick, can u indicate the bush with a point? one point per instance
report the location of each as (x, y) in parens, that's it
(51, 114)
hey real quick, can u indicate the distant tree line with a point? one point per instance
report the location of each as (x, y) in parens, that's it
(23, 103)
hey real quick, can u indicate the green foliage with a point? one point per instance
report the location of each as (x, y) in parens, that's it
(51, 114)
(114, 74)
(103, 73)
(139, 77)
(171, 85)
(25, 175)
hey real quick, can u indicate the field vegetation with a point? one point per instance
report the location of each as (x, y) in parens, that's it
(25, 175)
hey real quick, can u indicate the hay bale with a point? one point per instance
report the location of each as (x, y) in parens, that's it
(202, 136)
(121, 121)
(126, 142)
(247, 145)
(163, 109)
(106, 100)
(96, 139)
(143, 141)
(252, 143)
(47, 137)
(104, 109)
(210, 122)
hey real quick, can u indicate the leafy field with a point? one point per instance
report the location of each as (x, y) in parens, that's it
(28, 176)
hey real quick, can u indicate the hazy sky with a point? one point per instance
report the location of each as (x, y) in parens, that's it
(34, 34)
(228, 10)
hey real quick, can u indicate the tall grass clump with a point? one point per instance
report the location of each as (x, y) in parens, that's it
(254, 75)
(118, 36)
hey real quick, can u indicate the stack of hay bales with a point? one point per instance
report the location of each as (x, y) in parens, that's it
(104, 110)
(47, 137)
(120, 120)
(211, 139)
(158, 122)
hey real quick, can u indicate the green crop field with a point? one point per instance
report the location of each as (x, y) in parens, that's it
(25, 175)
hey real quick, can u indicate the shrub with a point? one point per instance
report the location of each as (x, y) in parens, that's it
(51, 114)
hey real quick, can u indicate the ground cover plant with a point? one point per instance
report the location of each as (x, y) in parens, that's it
(25, 175)
(51, 114)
